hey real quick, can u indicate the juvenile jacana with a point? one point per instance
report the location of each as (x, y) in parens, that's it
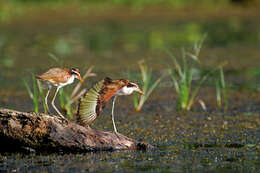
(95, 99)
(58, 77)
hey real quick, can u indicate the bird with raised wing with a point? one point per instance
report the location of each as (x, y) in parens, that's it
(93, 102)
(58, 77)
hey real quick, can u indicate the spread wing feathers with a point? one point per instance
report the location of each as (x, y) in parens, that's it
(95, 99)
(88, 104)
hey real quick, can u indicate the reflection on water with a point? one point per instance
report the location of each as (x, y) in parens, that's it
(158, 161)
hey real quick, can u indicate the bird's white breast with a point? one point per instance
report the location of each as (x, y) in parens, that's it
(70, 81)
(125, 91)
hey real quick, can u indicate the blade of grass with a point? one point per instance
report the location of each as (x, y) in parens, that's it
(135, 101)
(28, 89)
(42, 95)
(56, 59)
(35, 95)
(175, 62)
(223, 86)
(85, 76)
(175, 80)
(75, 98)
(147, 94)
(147, 85)
(193, 95)
(218, 94)
(62, 98)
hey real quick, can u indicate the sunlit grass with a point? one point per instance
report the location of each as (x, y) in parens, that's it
(42, 96)
(33, 92)
(147, 84)
(221, 91)
(184, 73)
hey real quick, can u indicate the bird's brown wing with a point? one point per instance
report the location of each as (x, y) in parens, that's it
(55, 75)
(95, 99)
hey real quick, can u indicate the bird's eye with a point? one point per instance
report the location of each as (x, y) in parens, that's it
(130, 85)
(75, 73)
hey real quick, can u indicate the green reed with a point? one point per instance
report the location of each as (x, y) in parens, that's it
(184, 73)
(148, 85)
(33, 92)
(221, 91)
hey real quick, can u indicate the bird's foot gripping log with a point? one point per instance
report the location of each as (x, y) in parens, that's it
(43, 132)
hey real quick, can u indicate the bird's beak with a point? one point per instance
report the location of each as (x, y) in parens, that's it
(140, 92)
(80, 79)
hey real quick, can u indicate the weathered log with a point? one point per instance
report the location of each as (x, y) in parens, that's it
(43, 132)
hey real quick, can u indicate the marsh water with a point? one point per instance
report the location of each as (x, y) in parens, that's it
(215, 140)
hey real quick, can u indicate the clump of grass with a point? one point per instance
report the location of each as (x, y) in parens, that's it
(221, 92)
(147, 84)
(36, 93)
(33, 92)
(42, 96)
(183, 75)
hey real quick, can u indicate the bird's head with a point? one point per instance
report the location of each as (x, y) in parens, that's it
(134, 87)
(76, 74)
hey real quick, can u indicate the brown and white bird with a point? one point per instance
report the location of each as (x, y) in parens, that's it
(95, 99)
(58, 77)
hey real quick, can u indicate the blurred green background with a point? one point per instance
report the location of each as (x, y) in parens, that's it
(114, 35)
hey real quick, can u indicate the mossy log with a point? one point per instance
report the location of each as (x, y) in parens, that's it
(48, 133)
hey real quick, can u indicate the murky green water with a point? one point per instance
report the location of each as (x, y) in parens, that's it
(196, 141)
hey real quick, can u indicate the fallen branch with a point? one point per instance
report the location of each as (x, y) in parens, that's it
(43, 132)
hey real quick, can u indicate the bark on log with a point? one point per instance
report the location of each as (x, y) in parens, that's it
(49, 133)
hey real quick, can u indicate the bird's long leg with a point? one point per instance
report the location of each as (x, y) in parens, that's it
(113, 115)
(53, 105)
(46, 99)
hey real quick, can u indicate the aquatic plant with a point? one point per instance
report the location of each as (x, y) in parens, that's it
(42, 96)
(36, 93)
(183, 74)
(221, 92)
(147, 84)
(33, 92)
